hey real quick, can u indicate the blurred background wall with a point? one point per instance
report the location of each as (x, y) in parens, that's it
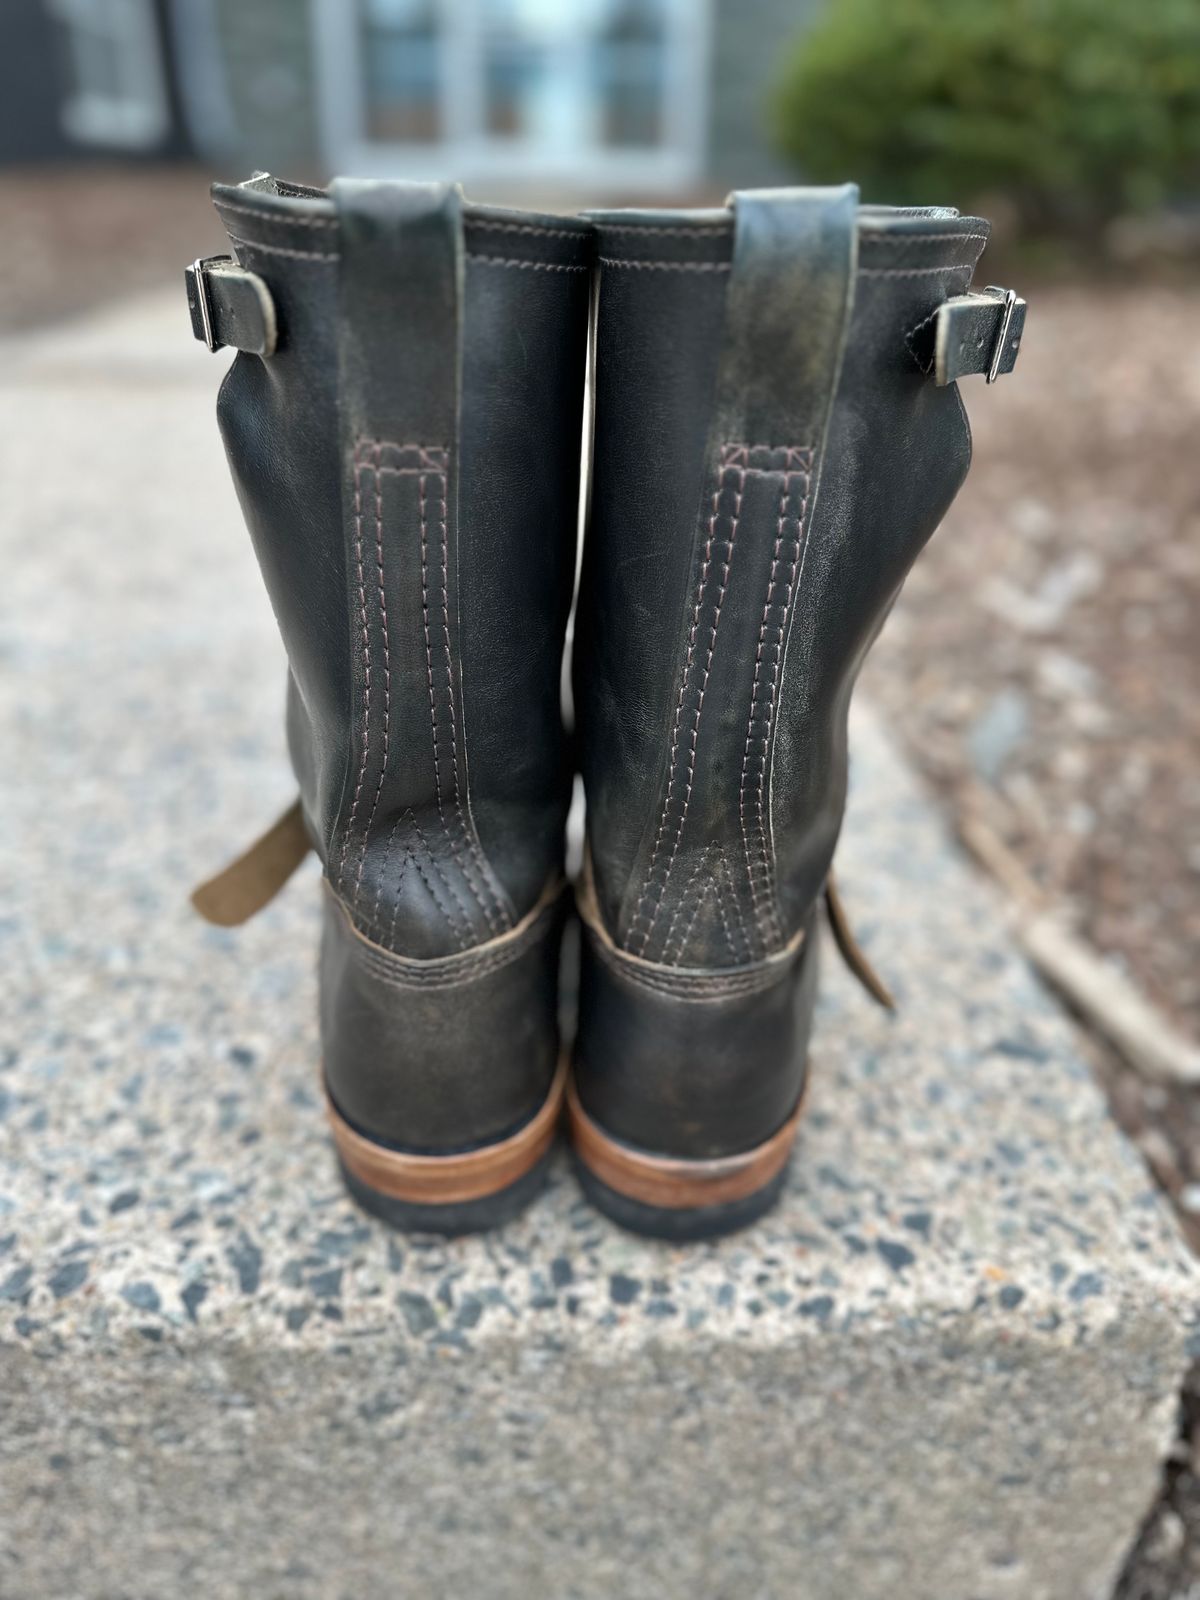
(614, 96)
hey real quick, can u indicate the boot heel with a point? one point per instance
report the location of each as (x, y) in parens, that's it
(443, 1078)
(468, 1191)
(678, 1199)
(689, 1085)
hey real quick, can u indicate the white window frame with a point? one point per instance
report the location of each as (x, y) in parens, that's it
(139, 119)
(473, 157)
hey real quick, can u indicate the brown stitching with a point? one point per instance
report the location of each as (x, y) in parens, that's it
(282, 217)
(362, 600)
(529, 266)
(472, 844)
(670, 266)
(387, 671)
(281, 250)
(727, 465)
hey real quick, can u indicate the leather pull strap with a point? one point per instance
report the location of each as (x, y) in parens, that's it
(256, 877)
(852, 953)
(401, 286)
(230, 306)
(786, 314)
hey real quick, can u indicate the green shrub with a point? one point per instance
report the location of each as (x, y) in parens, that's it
(1078, 110)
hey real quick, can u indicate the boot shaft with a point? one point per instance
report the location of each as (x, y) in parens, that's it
(407, 460)
(770, 456)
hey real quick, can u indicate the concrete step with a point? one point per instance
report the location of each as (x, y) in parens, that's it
(946, 1369)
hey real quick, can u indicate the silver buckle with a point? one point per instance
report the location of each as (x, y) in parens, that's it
(198, 269)
(1009, 296)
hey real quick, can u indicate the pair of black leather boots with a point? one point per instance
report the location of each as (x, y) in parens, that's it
(776, 433)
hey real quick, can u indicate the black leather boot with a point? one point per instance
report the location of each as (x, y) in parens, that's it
(404, 428)
(777, 434)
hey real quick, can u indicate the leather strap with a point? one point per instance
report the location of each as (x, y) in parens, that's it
(246, 885)
(230, 306)
(973, 333)
(401, 286)
(851, 952)
(786, 315)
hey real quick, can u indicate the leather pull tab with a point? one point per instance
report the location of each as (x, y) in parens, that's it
(256, 877)
(851, 951)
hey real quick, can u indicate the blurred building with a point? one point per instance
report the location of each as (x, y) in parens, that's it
(624, 96)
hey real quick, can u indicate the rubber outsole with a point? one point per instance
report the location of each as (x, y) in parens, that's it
(689, 1225)
(451, 1220)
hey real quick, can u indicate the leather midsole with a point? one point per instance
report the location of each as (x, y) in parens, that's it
(450, 1179)
(672, 1183)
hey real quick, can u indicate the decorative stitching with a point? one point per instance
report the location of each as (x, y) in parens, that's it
(766, 916)
(433, 716)
(366, 637)
(387, 667)
(687, 889)
(468, 835)
(464, 931)
(684, 232)
(267, 216)
(527, 227)
(914, 272)
(914, 333)
(905, 241)
(284, 250)
(728, 464)
(529, 266)
(687, 932)
(683, 986)
(721, 912)
(450, 972)
(383, 873)
(670, 266)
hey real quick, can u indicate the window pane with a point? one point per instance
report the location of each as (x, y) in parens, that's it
(562, 76)
(629, 56)
(401, 55)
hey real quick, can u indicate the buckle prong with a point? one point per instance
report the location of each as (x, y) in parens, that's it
(1009, 296)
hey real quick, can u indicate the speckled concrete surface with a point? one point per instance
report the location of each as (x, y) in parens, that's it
(945, 1370)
